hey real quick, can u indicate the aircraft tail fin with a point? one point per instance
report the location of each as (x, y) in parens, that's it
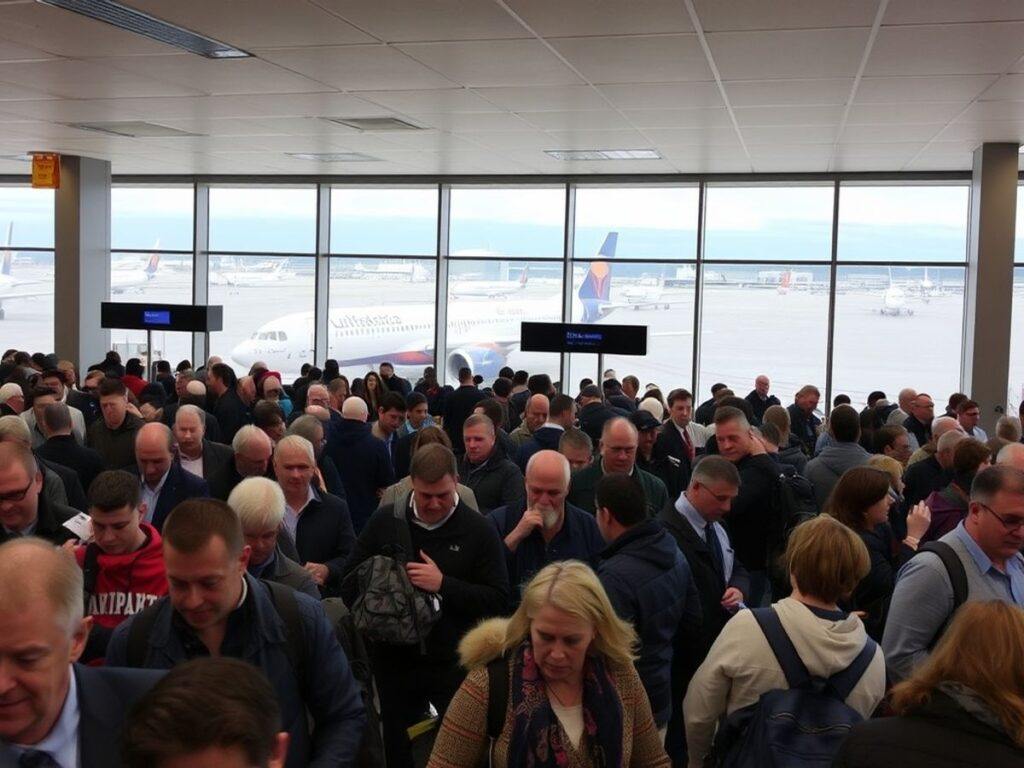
(595, 292)
(8, 253)
(524, 276)
(154, 262)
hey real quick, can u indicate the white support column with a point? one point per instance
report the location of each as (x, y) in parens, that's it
(201, 267)
(81, 259)
(441, 308)
(323, 275)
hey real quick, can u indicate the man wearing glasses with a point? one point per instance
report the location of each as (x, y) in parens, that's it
(24, 509)
(987, 545)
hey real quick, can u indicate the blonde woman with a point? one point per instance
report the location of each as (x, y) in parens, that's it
(962, 708)
(574, 699)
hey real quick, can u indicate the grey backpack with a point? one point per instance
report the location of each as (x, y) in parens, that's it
(389, 609)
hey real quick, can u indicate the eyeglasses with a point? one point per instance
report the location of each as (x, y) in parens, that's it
(1009, 525)
(16, 496)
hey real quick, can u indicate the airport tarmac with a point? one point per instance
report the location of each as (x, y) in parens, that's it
(745, 331)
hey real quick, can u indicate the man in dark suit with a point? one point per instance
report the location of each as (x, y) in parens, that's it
(61, 713)
(594, 412)
(393, 382)
(319, 523)
(196, 453)
(164, 483)
(722, 581)
(24, 508)
(62, 448)
(228, 407)
(459, 406)
(251, 453)
(194, 395)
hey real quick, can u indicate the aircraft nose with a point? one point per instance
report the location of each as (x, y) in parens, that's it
(242, 353)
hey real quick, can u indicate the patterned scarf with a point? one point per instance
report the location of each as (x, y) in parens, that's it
(538, 741)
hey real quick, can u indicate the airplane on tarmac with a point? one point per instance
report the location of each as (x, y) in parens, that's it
(124, 278)
(10, 286)
(240, 277)
(404, 334)
(894, 300)
(413, 273)
(489, 289)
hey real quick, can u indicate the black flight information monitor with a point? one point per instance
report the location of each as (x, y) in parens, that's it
(584, 337)
(162, 317)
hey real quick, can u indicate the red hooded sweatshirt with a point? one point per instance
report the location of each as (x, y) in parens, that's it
(125, 584)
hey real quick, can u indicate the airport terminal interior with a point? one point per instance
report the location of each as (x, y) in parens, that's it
(825, 192)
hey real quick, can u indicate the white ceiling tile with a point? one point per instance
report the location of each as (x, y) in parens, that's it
(946, 49)
(883, 133)
(224, 126)
(64, 33)
(216, 76)
(682, 152)
(85, 80)
(991, 111)
(507, 141)
(493, 63)
(950, 148)
(795, 115)
(256, 23)
(402, 21)
(555, 98)
(356, 67)
(571, 18)
(688, 136)
(951, 11)
(940, 163)
(447, 100)
(636, 59)
(719, 15)
(902, 150)
(1003, 130)
(1007, 87)
(680, 118)
(566, 121)
(769, 93)
(425, 140)
(17, 93)
(812, 152)
(10, 51)
(820, 53)
(805, 164)
(794, 134)
(473, 121)
(884, 90)
(912, 113)
(865, 164)
(664, 95)
(582, 139)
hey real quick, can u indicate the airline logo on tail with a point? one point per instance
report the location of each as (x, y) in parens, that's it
(151, 267)
(595, 293)
(523, 277)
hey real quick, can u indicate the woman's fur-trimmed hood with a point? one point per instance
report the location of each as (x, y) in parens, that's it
(482, 644)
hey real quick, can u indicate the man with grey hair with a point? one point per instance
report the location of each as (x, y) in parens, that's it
(318, 523)
(1011, 455)
(163, 481)
(362, 460)
(310, 427)
(62, 447)
(198, 455)
(981, 555)
(61, 484)
(931, 474)
(251, 453)
(543, 528)
(259, 504)
(56, 712)
(939, 427)
(25, 510)
(577, 448)
(194, 393)
(12, 399)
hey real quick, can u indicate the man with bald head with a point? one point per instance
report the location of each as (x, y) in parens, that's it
(932, 473)
(251, 450)
(1012, 455)
(543, 527)
(24, 508)
(53, 711)
(194, 394)
(534, 417)
(939, 426)
(362, 460)
(900, 412)
(759, 398)
(163, 482)
(617, 453)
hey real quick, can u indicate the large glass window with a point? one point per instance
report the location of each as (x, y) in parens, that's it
(882, 313)
(26, 268)
(770, 319)
(651, 222)
(151, 233)
(768, 222)
(263, 219)
(364, 329)
(384, 221)
(925, 222)
(497, 222)
(487, 301)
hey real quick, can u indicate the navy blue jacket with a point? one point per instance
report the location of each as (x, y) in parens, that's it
(579, 539)
(104, 697)
(650, 585)
(543, 439)
(329, 690)
(364, 465)
(324, 534)
(179, 486)
(804, 428)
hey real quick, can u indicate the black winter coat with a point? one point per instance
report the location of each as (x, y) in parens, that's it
(458, 407)
(364, 465)
(749, 520)
(497, 482)
(592, 417)
(324, 535)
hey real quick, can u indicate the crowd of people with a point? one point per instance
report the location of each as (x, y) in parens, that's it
(200, 568)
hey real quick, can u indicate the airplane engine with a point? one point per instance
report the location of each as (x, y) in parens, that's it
(485, 360)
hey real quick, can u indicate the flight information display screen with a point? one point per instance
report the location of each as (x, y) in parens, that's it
(584, 337)
(194, 318)
(156, 316)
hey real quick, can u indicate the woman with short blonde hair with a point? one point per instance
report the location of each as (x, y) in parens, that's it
(962, 707)
(574, 697)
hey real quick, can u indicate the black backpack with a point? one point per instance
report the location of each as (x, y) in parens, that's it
(792, 503)
(802, 726)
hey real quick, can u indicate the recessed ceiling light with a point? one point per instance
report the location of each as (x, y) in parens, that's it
(375, 123)
(140, 23)
(333, 157)
(603, 154)
(25, 158)
(134, 129)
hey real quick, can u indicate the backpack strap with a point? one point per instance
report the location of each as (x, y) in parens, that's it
(954, 569)
(792, 665)
(842, 683)
(404, 535)
(139, 630)
(287, 607)
(497, 695)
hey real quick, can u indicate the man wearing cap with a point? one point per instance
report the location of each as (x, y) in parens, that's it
(673, 471)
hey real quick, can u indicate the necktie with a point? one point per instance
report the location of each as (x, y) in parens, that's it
(35, 758)
(689, 445)
(715, 548)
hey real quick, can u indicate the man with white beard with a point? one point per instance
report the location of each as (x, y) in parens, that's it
(545, 528)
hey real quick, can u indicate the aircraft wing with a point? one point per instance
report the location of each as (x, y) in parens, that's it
(26, 295)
